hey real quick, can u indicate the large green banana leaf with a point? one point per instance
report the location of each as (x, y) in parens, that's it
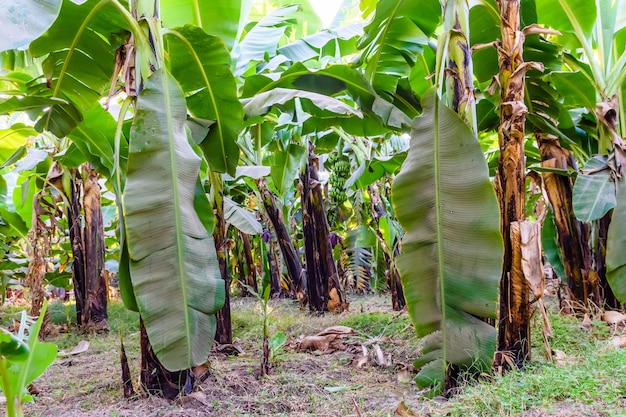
(80, 55)
(396, 35)
(217, 17)
(201, 64)
(332, 81)
(616, 245)
(452, 251)
(173, 265)
(22, 21)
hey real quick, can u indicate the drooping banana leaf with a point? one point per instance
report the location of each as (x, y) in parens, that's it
(594, 190)
(452, 251)
(94, 137)
(173, 265)
(332, 81)
(616, 245)
(262, 102)
(23, 21)
(201, 64)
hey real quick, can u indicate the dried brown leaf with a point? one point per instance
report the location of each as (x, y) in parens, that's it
(403, 411)
(586, 323)
(404, 376)
(613, 317)
(321, 343)
(338, 330)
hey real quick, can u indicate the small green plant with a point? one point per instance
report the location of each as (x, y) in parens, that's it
(264, 297)
(276, 342)
(22, 360)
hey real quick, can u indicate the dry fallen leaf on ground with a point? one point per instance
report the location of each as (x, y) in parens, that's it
(82, 346)
(403, 411)
(321, 343)
(613, 317)
(339, 330)
(586, 324)
(404, 376)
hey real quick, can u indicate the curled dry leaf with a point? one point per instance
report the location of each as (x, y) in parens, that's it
(338, 330)
(404, 376)
(321, 343)
(586, 324)
(560, 358)
(380, 357)
(82, 346)
(613, 317)
(403, 411)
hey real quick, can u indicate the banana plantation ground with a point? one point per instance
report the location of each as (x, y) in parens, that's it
(360, 369)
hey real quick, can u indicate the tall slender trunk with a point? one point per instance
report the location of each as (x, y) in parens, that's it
(224, 331)
(572, 234)
(606, 293)
(96, 286)
(250, 273)
(274, 263)
(88, 248)
(293, 263)
(76, 239)
(514, 317)
(394, 281)
(322, 279)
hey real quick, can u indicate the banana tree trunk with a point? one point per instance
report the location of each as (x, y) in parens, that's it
(514, 317)
(274, 263)
(606, 293)
(95, 306)
(250, 273)
(155, 379)
(90, 286)
(394, 281)
(293, 264)
(322, 279)
(224, 331)
(572, 234)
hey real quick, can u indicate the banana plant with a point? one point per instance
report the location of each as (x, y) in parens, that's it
(64, 99)
(399, 66)
(592, 79)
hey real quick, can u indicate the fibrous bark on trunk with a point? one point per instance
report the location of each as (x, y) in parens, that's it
(96, 286)
(87, 240)
(514, 317)
(224, 330)
(297, 278)
(394, 281)
(572, 234)
(155, 379)
(325, 292)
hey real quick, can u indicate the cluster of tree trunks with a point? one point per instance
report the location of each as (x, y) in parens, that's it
(323, 286)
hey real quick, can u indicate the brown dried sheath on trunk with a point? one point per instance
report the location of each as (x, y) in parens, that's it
(291, 257)
(96, 287)
(322, 277)
(514, 317)
(155, 379)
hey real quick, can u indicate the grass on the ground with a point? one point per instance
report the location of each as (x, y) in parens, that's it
(588, 381)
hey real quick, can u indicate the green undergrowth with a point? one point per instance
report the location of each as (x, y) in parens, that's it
(585, 378)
